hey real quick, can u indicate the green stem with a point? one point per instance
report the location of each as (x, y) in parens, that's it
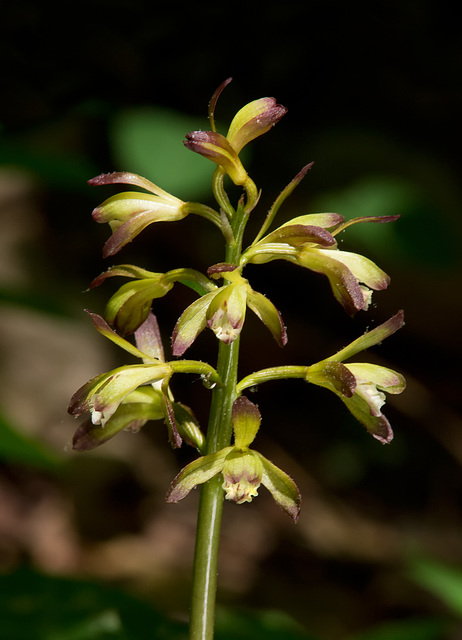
(273, 373)
(211, 500)
(219, 433)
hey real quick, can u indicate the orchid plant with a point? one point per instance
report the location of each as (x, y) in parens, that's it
(128, 397)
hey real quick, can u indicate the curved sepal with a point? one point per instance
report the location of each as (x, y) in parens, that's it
(281, 486)
(192, 321)
(268, 314)
(127, 231)
(127, 270)
(344, 283)
(126, 177)
(196, 472)
(105, 330)
(371, 338)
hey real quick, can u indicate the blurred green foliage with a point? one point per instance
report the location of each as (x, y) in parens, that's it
(38, 607)
(149, 141)
(17, 448)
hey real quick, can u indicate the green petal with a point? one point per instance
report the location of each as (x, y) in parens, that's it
(125, 177)
(128, 308)
(325, 220)
(382, 377)
(343, 282)
(124, 206)
(105, 330)
(127, 270)
(246, 422)
(121, 382)
(371, 338)
(216, 147)
(377, 425)
(191, 322)
(197, 472)
(80, 401)
(188, 427)
(148, 339)
(298, 234)
(125, 231)
(268, 314)
(362, 268)
(129, 415)
(282, 487)
(253, 120)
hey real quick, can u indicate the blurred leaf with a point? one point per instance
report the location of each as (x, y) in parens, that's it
(264, 625)
(443, 581)
(57, 168)
(105, 625)
(18, 448)
(417, 236)
(39, 607)
(37, 300)
(149, 141)
(420, 629)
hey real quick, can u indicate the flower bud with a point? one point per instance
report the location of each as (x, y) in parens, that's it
(216, 147)
(253, 120)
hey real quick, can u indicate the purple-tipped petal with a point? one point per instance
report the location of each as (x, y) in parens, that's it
(125, 177)
(269, 315)
(192, 321)
(253, 120)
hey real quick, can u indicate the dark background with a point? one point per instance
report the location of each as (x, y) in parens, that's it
(374, 98)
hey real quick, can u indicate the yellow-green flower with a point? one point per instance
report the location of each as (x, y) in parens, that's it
(243, 469)
(129, 307)
(126, 397)
(223, 311)
(253, 120)
(361, 386)
(130, 212)
(310, 242)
